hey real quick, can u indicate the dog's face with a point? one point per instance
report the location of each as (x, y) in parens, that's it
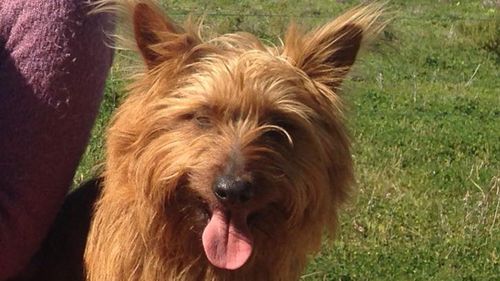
(241, 144)
(253, 145)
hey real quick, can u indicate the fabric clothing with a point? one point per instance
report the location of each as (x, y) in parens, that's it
(53, 66)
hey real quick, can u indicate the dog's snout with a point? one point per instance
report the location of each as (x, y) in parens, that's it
(232, 190)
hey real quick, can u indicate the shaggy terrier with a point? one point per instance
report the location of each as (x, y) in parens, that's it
(229, 158)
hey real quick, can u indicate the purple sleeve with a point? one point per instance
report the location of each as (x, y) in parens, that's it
(53, 66)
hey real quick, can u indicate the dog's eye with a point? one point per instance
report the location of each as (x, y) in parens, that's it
(275, 136)
(203, 121)
(281, 132)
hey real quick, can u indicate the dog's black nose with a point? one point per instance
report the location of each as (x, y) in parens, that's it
(232, 190)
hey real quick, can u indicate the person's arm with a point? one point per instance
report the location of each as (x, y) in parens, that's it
(53, 66)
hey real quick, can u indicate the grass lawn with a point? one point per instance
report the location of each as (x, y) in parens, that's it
(425, 119)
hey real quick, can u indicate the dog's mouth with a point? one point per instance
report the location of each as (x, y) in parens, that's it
(226, 239)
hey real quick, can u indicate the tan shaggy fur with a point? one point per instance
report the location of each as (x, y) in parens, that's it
(271, 115)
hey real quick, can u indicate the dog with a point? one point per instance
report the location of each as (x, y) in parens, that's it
(229, 159)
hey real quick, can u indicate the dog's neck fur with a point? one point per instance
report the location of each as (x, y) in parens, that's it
(182, 257)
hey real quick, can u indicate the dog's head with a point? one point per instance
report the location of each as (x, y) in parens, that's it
(242, 144)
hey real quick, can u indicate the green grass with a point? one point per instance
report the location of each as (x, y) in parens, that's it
(426, 124)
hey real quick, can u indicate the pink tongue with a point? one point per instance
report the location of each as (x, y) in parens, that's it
(227, 240)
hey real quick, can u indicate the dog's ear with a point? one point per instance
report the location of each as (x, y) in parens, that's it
(158, 37)
(327, 54)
